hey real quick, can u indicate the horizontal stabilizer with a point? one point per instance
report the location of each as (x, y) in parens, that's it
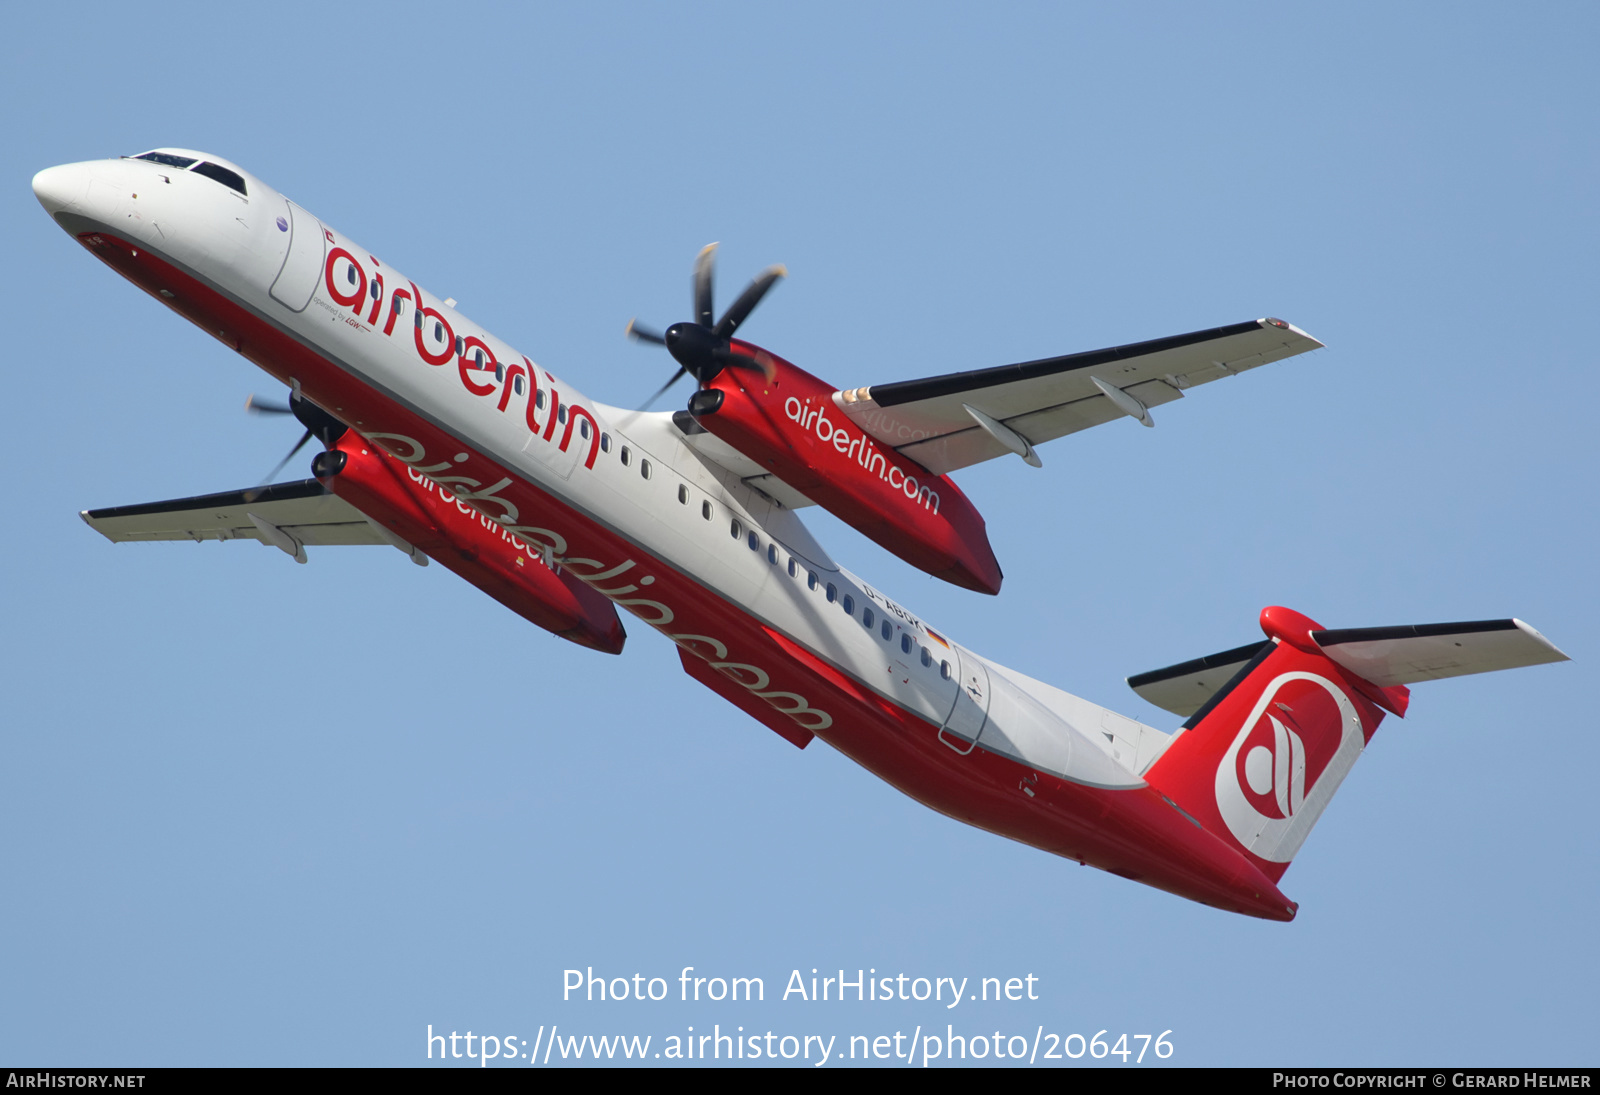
(1184, 688)
(1260, 761)
(306, 510)
(1429, 652)
(1385, 656)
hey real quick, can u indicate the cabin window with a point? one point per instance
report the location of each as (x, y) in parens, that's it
(772, 554)
(833, 593)
(848, 604)
(626, 456)
(905, 642)
(944, 670)
(605, 442)
(683, 494)
(644, 469)
(794, 569)
(753, 540)
(461, 345)
(516, 383)
(417, 321)
(867, 618)
(705, 510)
(218, 173)
(438, 328)
(538, 398)
(735, 529)
(373, 292)
(561, 414)
(887, 630)
(927, 659)
(350, 273)
(811, 580)
(583, 430)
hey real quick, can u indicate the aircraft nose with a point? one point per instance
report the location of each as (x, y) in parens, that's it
(59, 188)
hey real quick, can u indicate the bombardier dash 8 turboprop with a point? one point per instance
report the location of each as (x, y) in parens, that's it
(443, 441)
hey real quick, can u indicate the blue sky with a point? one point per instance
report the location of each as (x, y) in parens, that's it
(255, 813)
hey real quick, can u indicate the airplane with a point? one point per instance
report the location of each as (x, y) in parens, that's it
(442, 441)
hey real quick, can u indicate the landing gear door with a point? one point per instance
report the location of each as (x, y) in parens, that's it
(964, 725)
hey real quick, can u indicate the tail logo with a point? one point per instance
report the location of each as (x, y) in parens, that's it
(1285, 763)
(1278, 771)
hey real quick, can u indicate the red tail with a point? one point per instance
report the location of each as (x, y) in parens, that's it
(1259, 762)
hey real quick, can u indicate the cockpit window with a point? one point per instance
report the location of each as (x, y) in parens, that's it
(222, 175)
(180, 162)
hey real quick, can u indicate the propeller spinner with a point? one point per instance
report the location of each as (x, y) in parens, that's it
(703, 348)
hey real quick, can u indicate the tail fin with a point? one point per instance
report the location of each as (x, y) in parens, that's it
(1258, 762)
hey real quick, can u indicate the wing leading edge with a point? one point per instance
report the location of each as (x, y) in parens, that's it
(950, 422)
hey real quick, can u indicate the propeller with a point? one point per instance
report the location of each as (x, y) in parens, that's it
(318, 423)
(701, 347)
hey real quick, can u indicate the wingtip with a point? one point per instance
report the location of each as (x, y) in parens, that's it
(1273, 321)
(1524, 626)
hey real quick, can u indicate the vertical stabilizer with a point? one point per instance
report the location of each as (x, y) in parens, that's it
(1263, 753)
(1260, 761)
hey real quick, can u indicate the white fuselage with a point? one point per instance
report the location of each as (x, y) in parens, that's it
(678, 508)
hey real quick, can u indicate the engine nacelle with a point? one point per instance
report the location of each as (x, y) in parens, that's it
(428, 518)
(785, 419)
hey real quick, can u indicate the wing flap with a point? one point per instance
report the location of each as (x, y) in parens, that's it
(306, 510)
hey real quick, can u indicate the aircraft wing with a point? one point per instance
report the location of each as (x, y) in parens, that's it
(953, 421)
(284, 515)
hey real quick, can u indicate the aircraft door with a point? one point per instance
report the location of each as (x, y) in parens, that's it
(302, 266)
(964, 725)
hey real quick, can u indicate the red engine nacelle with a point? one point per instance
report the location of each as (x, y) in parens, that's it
(429, 518)
(785, 419)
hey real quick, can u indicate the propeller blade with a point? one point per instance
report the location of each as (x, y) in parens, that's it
(641, 333)
(677, 376)
(705, 264)
(761, 362)
(740, 309)
(256, 405)
(768, 367)
(250, 495)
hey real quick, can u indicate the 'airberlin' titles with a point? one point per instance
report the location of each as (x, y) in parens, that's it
(859, 449)
(436, 343)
